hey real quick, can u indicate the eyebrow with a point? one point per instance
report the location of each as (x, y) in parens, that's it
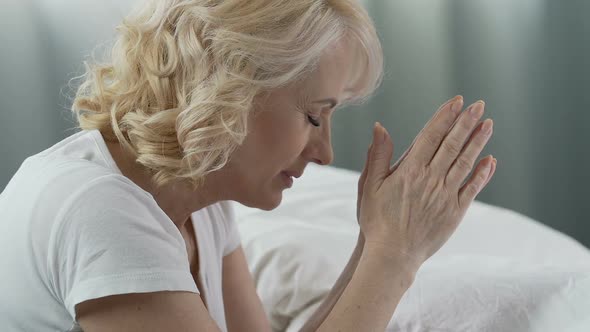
(330, 101)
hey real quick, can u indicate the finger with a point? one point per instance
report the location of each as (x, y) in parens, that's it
(464, 163)
(405, 154)
(446, 105)
(476, 183)
(380, 158)
(363, 176)
(361, 183)
(430, 137)
(494, 164)
(396, 165)
(452, 145)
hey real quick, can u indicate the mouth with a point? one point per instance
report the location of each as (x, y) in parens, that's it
(287, 179)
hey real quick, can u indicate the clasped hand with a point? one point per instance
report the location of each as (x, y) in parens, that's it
(412, 208)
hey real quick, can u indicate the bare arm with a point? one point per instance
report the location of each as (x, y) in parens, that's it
(322, 312)
(158, 311)
(407, 214)
(243, 309)
(373, 293)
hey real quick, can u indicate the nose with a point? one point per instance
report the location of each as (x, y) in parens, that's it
(319, 149)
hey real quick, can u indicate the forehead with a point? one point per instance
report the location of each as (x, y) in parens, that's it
(336, 75)
(333, 76)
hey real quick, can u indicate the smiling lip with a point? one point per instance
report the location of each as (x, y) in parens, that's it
(287, 179)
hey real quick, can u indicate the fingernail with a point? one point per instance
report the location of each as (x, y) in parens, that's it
(486, 128)
(457, 104)
(477, 109)
(487, 166)
(376, 133)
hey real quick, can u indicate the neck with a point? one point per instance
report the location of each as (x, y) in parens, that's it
(177, 199)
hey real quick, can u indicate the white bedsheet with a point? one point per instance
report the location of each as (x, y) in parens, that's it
(500, 271)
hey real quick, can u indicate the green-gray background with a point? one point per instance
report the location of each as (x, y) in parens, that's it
(527, 59)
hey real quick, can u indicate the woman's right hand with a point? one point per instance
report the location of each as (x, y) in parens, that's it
(412, 209)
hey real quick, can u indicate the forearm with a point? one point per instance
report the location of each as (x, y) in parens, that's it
(322, 312)
(372, 294)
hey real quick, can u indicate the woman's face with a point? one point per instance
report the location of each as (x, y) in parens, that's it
(289, 128)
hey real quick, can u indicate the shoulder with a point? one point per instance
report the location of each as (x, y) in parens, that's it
(64, 168)
(110, 190)
(111, 203)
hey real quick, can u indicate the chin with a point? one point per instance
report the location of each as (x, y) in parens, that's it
(266, 202)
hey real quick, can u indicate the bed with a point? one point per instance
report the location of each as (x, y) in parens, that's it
(500, 271)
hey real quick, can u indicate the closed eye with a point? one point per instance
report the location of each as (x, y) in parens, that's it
(313, 120)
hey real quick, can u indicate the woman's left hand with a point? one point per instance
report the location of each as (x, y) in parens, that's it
(363, 177)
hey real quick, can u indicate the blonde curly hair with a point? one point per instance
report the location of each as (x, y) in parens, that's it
(183, 74)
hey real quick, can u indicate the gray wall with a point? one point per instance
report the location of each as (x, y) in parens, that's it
(43, 45)
(527, 59)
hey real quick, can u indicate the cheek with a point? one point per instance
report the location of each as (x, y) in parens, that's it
(283, 141)
(290, 143)
(274, 142)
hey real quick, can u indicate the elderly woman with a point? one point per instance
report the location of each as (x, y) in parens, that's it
(126, 225)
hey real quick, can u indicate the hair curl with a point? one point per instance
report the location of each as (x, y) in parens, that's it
(183, 74)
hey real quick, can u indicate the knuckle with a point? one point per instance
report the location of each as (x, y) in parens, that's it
(472, 189)
(450, 145)
(463, 164)
(433, 185)
(482, 138)
(466, 125)
(414, 172)
(430, 138)
(480, 177)
(378, 154)
(448, 192)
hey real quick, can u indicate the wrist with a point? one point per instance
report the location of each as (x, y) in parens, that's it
(393, 258)
(361, 240)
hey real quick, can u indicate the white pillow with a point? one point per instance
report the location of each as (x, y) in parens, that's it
(477, 293)
(498, 272)
(488, 294)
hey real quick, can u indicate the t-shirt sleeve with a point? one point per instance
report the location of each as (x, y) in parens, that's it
(112, 238)
(233, 240)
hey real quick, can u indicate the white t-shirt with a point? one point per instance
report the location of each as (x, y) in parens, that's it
(73, 228)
